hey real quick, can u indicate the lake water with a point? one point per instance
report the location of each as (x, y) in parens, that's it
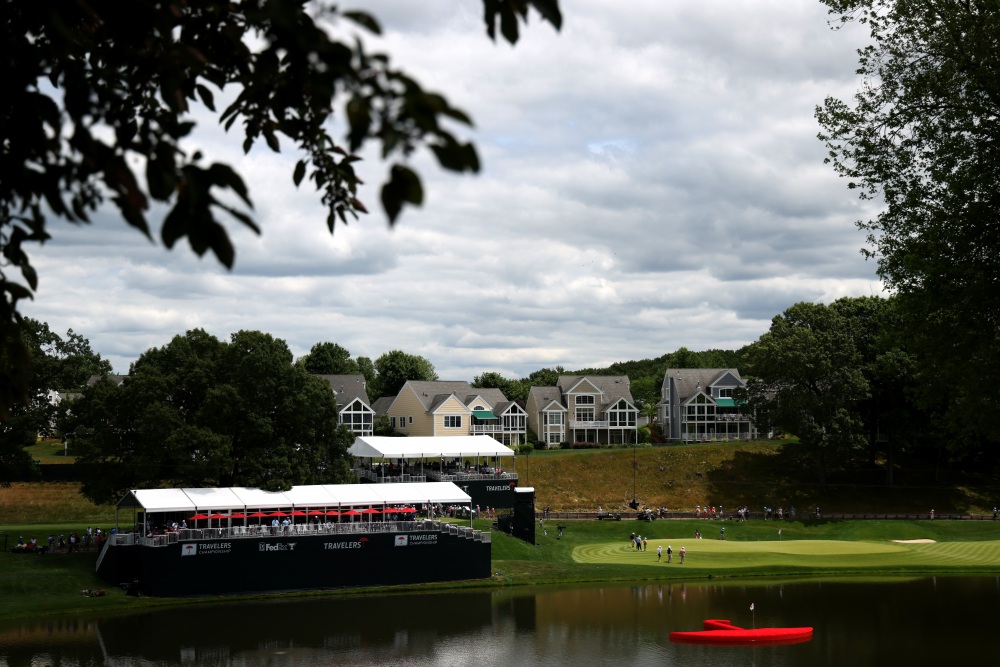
(918, 621)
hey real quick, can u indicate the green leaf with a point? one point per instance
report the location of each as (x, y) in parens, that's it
(365, 20)
(219, 241)
(456, 156)
(508, 22)
(206, 96)
(16, 291)
(29, 273)
(403, 187)
(271, 138)
(359, 117)
(549, 9)
(224, 175)
(173, 227)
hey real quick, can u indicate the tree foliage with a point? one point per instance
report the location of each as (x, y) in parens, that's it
(202, 412)
(807, 378)
(395, 368)
(99, 101)
(56, 364)
(513, 389)
(922, 134)
(329, 359)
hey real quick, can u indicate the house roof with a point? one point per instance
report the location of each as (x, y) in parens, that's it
(544, 396)
(319, 495)
(429, 446)
(432, 393)
(381, 405)
(116, 379)
(347, 388)
(689, 381)
(612, 387)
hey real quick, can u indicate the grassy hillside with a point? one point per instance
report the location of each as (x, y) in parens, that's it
(777, 474)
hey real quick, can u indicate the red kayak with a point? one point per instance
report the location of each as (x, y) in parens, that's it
(719, 631)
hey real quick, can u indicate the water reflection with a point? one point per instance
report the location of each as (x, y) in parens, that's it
(919, 621)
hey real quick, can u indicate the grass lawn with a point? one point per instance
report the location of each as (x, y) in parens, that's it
(600, 551)
(51, 451)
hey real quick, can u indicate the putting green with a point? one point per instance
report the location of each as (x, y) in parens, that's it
(719, 554)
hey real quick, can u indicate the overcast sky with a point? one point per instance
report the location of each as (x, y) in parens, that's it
(651, 179)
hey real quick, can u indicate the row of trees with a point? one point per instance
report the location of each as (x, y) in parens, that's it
(204, 412)
(199, 411)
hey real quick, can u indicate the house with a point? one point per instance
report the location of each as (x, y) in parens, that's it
(698, 404)
(596, 409)
(353, 408)
(444, 408)
(114, 379)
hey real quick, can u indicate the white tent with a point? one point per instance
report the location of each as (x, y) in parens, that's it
(326, 495)
(382, 447)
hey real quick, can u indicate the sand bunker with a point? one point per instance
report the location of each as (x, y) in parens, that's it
(915, 541)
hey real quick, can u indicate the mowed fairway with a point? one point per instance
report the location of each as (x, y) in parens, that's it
(806, 554)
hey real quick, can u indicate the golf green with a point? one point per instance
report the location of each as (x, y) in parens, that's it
(808, 554)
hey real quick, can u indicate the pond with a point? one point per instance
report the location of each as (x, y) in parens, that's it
(915, 621)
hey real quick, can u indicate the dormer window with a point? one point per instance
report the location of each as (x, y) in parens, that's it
(725, 392)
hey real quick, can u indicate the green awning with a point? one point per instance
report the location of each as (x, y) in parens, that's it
(483, 414)
(725, 402)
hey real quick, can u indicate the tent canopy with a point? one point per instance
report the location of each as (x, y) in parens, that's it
(383, 447)
(326, 495)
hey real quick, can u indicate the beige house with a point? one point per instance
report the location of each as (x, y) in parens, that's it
(595, 409)
(442, 408)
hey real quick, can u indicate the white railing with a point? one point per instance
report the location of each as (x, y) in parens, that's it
(301, 529)
(471, 476)
(591, 424)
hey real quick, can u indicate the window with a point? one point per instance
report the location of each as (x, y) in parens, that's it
(411, 420)
(725, 392)
(553, 418)
(585, 414)
(585, 400)
(392, 421)
(453, 421)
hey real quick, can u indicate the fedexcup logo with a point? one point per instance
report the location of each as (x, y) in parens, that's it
(279, 546)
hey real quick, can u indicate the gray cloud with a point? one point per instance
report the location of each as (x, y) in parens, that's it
(652, 179)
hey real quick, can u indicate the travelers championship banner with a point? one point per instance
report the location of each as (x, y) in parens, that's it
(490, 492)
(206, 567)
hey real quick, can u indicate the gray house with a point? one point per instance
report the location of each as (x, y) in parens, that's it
(353, 408)
(593, 408)
(698, 405)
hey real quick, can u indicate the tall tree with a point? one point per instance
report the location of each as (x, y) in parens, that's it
(201, 412)
(395, 368)
(923, 136)
(513, 389)
(329, 359)
(807, 379)
(94, 89)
